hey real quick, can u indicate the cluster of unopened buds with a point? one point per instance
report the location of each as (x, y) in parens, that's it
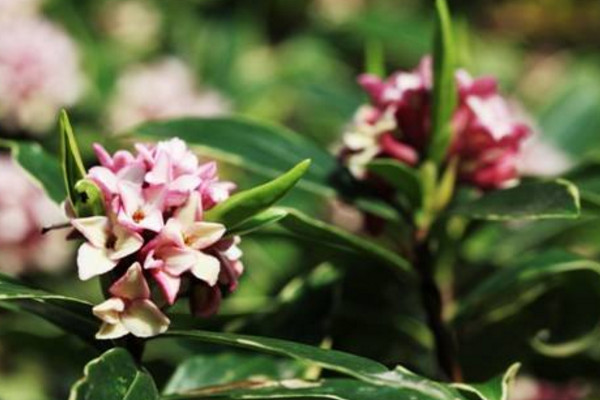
(152, 233)
(486, 132)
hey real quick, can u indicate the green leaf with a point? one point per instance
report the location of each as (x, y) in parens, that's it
(338, 389)
(495, 389)
(227, 367)
(114, 376)
(347, 364)
(243, 205)
(400, 177)
(444, 86)
(70, 314)
(264, 149)
(328, 235)
(41, 166)
(72, 165)
(259, 221)
(375, 58)
(510, 289)
(538, 200)
(89, 199)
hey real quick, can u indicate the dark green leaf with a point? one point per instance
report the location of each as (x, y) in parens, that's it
(444, 86)
(72, 165)
(538, 200)
(227, 367)
(509, 290)
(243, 205)
(401, 177)
(114, 376)
(337, 389)
(314, 230)
(70, 314)
(343, 363)
(41, 166)
(262, 148)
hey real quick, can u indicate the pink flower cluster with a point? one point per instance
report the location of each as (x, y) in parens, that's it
(487, 133)
(24, 211)
(153, 229)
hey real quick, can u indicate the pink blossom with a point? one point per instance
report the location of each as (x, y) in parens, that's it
(130, 310)
(486, 131)
(166, 88)
(39, 73)
(155, 200)
(24, 211)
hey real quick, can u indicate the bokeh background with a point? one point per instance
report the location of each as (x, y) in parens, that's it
(115, 63)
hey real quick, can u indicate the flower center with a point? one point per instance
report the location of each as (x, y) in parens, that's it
(138, 216)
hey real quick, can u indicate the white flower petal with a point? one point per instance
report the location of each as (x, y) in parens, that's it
(204, 234)
(93, 261)
(144, 319)
(126, 243)
(132, 285)
(206, 268)
(111, 331)
(94, 229)
(110, 310)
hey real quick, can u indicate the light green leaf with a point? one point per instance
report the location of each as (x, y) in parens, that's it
(243, 205)
(259, 221)
(399, 176)
(41, 166)
(264, 149)
(72, 165)
(444, 86)
(328, 235)
(90, 200)
(227, 367)
(114, 376)
(538, 200)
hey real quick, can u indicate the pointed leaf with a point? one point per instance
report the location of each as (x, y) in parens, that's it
(243, 205)
(72, 165)
(444, 86)
(495, 389)
(259, 221)
(89, 199)
(399, 176)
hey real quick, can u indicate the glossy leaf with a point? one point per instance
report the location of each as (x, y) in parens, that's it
(243, 205)
(328, 235)
(444, 86)
(343, 363)
(265, 149)
(338, 389)
(72, 165)
(538, 200)
(228, 367)
(114, 376)
(41, 166)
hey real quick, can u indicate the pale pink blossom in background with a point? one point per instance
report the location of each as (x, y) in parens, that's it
(24, 211)
(527, 388)
(18, 8)
(39, 73)
(134, 24)
(540, 157)
(164, 89)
